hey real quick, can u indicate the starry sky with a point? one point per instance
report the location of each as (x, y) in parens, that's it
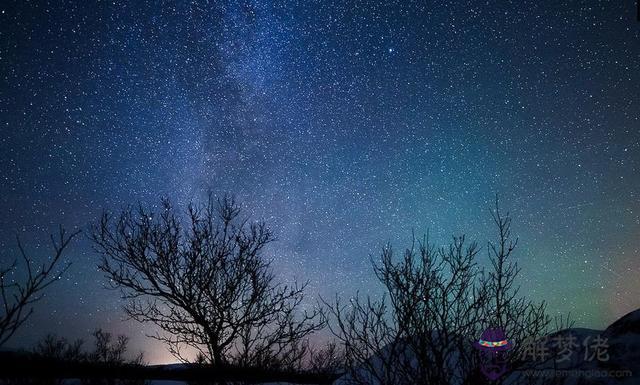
(343, 124)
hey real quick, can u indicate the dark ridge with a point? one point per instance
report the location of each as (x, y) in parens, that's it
(25, 365)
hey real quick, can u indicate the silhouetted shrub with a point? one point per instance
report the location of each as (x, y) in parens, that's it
(206, 283)
(18, 297)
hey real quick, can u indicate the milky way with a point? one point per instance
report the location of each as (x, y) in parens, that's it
(342, 124)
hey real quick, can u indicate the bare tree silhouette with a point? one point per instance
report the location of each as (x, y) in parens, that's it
(106, 349)
(432, 309)
(112, 351)
(18, 297)
(327, 359)
(60, 349)
(438, 302)
(206, 284)
(109, 353)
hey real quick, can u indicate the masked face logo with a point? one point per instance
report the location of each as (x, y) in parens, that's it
(493, 346)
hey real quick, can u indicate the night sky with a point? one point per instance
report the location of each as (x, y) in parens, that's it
(343, 124)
